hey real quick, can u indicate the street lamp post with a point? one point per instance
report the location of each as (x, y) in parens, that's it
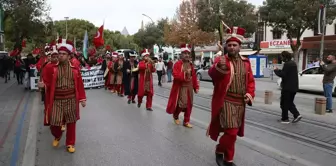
(66, 27)
(148, 17)
(152, 22)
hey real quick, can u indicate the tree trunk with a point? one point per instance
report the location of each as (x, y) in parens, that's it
(193, 53)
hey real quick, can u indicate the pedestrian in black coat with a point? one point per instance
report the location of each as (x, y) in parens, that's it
(289, 87)
(130, 80)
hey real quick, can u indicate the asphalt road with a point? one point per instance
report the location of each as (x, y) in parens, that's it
(310, 141)
(114, 133)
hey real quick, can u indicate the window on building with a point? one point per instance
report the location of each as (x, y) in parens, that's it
(334, 29)
(276, 34)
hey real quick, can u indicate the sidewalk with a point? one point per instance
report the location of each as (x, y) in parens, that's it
(12, 107)
(307, 111)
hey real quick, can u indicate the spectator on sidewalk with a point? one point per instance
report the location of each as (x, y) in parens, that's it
(160, 67)
(289, 87)
(170, 69)
(328, 79)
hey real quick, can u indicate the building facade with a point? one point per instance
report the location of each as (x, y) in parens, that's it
(273, 42)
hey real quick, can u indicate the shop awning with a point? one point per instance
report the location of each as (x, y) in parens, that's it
(274, 51)
(247, 52)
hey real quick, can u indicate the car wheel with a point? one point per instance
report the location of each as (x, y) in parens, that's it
(199, 76)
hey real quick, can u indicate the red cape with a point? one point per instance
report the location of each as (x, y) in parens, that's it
(142, 69)
(179, 79)
(50, 77)
(222, 80)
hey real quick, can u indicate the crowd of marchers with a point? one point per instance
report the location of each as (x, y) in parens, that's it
(63, 92)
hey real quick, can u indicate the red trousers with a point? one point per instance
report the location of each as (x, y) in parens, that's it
(70, 133)
(227, 143)
(107, 83)
(111, 87)
(131, 97)
(149, 99)
(120, 88)
(187, 113)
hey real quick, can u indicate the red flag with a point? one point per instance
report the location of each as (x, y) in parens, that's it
(98, 40)
(23, 43)
(36, 51)
(14, 52)
(108, 48)
(92, 52)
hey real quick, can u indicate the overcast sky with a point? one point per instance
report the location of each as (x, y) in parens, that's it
(117, 13)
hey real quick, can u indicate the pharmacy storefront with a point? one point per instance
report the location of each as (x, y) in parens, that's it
(274, 48)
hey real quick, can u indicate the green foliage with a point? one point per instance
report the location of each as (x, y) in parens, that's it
(151, 34)
(26, 18)
(76, 29)
(295, 16)
(232, 12)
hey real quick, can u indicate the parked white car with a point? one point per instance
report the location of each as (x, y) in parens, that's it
(202, 74)
(310, 79)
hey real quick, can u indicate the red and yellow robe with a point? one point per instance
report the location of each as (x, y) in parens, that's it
(142, 75)
(222, 81)
(179, 79)
(50, 79)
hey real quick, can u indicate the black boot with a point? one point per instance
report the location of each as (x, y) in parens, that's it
(149, 109)
(220, 159)
(229, 163)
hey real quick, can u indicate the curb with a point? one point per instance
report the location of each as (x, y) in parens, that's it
(29, 153)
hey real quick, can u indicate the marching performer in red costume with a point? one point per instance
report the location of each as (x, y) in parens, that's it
(44, 59)
(105, 64)
(118, 68)
(145, 86)
(234, 87)
(112, 74)
(184, 84)
(65, 91)
(75, 61)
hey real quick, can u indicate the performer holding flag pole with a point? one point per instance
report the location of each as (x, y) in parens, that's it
(234, 87)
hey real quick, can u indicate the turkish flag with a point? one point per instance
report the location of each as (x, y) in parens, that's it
(23, 43)
(98, 40)
(108, 48)
(36, 51)
(14, 52)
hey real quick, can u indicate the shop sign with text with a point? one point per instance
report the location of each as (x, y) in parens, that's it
(279, 44)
